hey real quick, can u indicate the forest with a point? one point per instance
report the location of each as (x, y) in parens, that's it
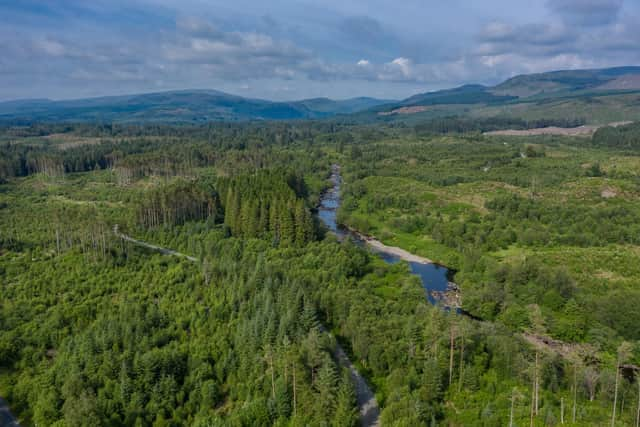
(543, 234)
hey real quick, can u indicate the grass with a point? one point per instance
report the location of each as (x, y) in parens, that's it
(594, 109)
(407, 184)
(415, 243)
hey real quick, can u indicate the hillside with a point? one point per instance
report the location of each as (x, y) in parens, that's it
(178, 106)
(467, 94)
(590, 96)
(181, 275)
(564, 82)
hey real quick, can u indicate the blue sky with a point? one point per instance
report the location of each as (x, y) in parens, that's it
(283, 49)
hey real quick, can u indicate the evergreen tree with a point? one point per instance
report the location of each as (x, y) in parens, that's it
(345, 414)
(327, 386)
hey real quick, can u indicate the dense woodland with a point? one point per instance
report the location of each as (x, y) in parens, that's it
(621, 137)
(543, 233)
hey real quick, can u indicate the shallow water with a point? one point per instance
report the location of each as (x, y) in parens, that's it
(434, 277)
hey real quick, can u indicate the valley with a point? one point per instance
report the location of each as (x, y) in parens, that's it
(317, 271)
(542, 246)
(319, 214)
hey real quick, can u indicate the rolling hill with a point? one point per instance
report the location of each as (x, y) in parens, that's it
(533, 87)
(178, 106)
(564, 82)
(595, 96)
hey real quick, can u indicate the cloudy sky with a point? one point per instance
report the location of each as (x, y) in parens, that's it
(286, 49)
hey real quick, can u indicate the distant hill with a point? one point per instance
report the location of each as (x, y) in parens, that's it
(594, 96)
(179, 106)
(564, 81)
(467, 94)
(626, 82)
(609, 93)
(347, 106)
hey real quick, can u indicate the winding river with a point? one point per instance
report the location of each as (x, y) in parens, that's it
(436, 279)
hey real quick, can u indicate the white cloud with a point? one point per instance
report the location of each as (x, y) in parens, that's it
(218, 49)
(403, 64)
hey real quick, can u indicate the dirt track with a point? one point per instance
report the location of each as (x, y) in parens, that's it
(160, 249)
(366, 399)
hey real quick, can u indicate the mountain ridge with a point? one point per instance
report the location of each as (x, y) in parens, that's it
(525, 86)
(204, 105)
(180, 105)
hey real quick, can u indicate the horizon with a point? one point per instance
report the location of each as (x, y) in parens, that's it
(186, 90)
(345, 213)
(290, 50)
(193, 90)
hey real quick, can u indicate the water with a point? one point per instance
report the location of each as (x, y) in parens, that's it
(435, 278)
(329, 204)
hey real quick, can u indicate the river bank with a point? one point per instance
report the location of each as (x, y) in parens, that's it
(391, 250)
(449, 297)
(436, 279)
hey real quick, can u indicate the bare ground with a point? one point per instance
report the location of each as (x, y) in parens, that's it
(578, 131)
(405, 110)
(393, 250)
(550, 345)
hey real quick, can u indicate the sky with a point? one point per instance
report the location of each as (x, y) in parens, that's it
(285, 49)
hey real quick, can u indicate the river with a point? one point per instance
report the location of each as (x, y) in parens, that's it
(6, 417)
(436, 279)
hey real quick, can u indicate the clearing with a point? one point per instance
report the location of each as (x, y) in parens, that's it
(587, 130)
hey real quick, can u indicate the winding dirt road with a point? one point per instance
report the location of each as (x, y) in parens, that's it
(366, 399)
(160, 249)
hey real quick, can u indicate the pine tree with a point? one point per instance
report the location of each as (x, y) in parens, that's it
(245, 222)
(283, 399)
(313, 352)
(230, 209)
(274, 221)
(309, 317)
(263, 221)
(345, 412)
(326, 384)
(303, 224)
(254, 229)
(287, 227)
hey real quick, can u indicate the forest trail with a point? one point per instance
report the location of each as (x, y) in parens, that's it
(165, 251)
(366, 399)
(6, 417)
